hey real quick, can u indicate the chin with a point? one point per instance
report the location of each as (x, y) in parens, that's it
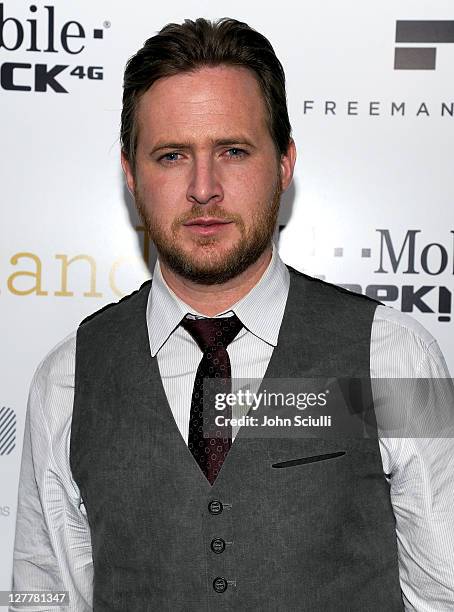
(223, 264)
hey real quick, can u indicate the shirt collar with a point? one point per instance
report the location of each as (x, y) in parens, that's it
(261, 310)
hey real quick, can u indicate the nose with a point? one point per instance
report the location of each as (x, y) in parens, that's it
(204, 185)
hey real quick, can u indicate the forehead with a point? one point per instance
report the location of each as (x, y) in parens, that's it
(212, 102)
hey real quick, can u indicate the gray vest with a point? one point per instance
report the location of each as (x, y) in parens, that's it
(317, 537)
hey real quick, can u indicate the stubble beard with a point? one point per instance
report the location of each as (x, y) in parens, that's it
(213, 264)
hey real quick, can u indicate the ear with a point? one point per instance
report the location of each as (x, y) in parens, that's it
(287, 165)
(129, 174)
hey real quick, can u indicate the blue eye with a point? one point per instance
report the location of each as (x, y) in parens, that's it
(170, 157)
(236, 152)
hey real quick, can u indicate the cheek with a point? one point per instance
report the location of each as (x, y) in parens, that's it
(160, 195)
(251, 189)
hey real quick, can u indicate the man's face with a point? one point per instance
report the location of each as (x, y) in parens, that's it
(207, 179)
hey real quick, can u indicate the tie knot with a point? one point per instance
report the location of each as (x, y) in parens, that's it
(212, 333)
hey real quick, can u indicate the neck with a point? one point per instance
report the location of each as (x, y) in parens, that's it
(213, 299)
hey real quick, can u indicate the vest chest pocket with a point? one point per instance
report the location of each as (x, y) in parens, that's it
(306, 460)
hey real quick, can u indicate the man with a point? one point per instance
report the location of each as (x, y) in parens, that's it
(123, 501)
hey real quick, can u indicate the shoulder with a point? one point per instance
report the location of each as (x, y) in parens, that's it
(328, 288)
(403, 325)
(58, 365)
(52, 391)
(403, 347)
(397, 327)
(121, 309)
(57, 369)
(342, 314)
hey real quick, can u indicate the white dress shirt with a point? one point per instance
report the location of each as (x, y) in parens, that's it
(53, 546)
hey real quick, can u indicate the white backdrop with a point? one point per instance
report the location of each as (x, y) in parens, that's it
(371, 204)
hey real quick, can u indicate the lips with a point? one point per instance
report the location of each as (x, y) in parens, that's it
(207, 221)
(207, 226)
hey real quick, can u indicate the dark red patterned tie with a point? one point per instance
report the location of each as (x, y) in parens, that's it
(213, 336)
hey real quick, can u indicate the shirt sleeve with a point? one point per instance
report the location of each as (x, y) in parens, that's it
(52, 550)
(419, 463)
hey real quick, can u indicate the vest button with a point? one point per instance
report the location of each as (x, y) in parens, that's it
(215, 507)
(219, 584)
(218, 545)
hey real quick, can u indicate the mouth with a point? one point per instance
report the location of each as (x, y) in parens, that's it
(207, 226)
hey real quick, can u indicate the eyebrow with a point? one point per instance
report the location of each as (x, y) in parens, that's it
(233, 141)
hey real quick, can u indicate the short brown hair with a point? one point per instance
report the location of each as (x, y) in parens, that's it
(193, 44)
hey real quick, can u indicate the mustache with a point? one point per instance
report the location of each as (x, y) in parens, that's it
(203, 211)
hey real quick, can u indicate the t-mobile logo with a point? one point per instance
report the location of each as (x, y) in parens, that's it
(413, 32)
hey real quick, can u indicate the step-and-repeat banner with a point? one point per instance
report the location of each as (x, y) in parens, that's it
(372, 108)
